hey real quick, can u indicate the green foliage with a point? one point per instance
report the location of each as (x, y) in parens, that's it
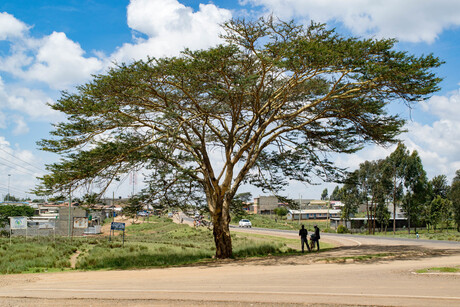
(35, 254)
(454, 196)
(9, 197)
(133, 207)
(13, 210)
(237, 205)
(281, 211)
(324, 195)
(342, 229)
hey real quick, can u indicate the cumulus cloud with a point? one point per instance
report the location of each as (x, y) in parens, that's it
(60, 62)
(53, 59)
(21, 126)
(409, 20)
(29, 101)
(11, 27)
(170, 27)
(438, 143)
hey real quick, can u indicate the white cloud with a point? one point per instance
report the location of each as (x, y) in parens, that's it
(53, 59)
(11, 27)
(60, 62)
(170, 27)
(439, 143)
(29, 101)
(409, 20)
(21, 126)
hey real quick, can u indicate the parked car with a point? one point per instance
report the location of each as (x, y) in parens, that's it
(170, 214)
(245, 223)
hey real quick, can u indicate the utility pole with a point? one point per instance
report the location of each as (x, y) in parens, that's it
(9, 175)
(70, 214)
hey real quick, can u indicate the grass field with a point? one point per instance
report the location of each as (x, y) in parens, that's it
(267, 221)
(446, 234)
(159, 243)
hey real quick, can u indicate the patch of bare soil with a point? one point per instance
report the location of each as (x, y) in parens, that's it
(73, 259)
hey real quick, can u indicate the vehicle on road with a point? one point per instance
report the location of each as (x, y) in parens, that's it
(245, 223)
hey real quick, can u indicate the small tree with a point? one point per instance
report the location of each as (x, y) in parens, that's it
(281, 211)
(324, 195)
(133, 207)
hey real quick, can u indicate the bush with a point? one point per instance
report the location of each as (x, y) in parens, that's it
(342, 229)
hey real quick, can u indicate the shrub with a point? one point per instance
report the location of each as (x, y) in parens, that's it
(342, 229)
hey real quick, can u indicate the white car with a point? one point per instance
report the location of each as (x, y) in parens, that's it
(245, 223)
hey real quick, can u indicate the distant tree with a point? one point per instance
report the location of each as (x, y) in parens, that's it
(90, 199)
(9, 197)
(281, 211)
(454, 197)
(7, 211)
(415, 182)
(335, 194)
(238, 204)
(440, 211)
(396, 162)
(133, 207)
(324, 194)
(273, 101)
(350, 196)
(439, 186)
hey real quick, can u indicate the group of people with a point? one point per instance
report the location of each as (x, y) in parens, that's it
(314, 238)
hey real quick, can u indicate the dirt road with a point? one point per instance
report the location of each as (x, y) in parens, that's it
(323, 279)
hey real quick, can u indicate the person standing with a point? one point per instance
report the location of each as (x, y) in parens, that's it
(303, 233)
(317, 237)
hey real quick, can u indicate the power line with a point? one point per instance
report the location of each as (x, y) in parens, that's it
(21, 160)
(29, 172)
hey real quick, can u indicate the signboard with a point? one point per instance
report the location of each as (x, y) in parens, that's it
(18, 222)
(117, 226)
(80, 222)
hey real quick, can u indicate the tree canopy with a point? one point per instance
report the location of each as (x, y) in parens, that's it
(265, 107)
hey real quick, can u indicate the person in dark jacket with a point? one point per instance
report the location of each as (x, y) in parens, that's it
(316, 237)
(303, 233)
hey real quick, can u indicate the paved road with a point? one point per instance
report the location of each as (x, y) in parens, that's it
(295, 280)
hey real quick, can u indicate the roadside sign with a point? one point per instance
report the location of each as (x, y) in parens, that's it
(80, 222)
(117, 226)
(18, 222)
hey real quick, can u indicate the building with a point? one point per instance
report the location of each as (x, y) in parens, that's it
(265, 204)
(313, 214)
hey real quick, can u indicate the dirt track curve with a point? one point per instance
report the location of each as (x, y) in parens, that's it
(317, 279)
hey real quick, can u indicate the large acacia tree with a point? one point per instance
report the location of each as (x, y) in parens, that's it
(264, 107)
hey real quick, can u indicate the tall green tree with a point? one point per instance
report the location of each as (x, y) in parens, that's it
(324, 194)
(454, 196)
(415, 182)
(335, 193)
(396, 162)
(271, 102)
(350, 196)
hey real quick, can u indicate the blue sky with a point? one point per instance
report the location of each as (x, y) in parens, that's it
(50, 46)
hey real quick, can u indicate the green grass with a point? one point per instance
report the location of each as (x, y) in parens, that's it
(441, 270)
(446, 235)
(267, 221)
(35, 255)
(159, 243)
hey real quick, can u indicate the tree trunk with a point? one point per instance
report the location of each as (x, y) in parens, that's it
(222, 238)
(394, 203)
(221, 230)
